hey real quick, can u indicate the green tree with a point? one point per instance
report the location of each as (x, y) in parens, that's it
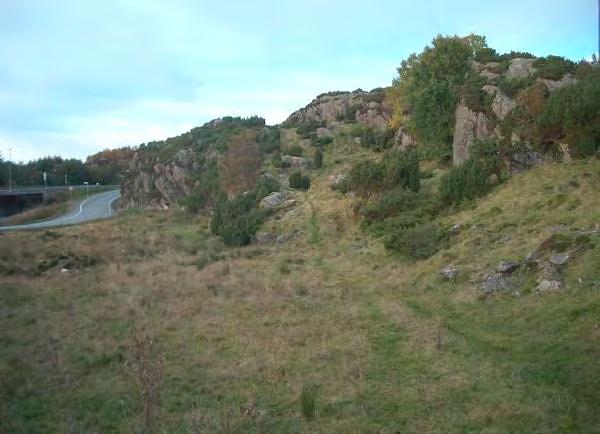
(428, 86)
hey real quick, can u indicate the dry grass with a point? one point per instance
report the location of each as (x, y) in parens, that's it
(390, 347)
(38, 213)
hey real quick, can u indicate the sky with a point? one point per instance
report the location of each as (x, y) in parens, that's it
(78, 76)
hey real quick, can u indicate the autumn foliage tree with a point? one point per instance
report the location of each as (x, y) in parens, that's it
(239, 168)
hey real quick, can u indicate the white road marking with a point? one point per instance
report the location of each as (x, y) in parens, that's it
(80, 210)
(110, 204)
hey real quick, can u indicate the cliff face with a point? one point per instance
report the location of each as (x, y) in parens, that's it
(162, 173)
(153, 184)
(368, 108)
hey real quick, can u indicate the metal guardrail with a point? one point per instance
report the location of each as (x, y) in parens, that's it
(41, 189)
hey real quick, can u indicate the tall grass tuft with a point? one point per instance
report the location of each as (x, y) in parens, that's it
(308, 400)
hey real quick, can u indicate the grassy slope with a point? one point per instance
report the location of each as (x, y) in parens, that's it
(388, 346)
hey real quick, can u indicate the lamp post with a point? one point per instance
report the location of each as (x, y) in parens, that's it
(9, 169)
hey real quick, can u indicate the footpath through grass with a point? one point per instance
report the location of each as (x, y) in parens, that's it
(158, 327)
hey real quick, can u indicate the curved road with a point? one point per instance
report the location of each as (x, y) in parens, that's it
(95, 207)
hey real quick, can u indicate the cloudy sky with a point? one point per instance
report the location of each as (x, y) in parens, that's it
(80, 76)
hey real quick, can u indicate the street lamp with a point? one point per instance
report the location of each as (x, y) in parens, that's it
(9, 169)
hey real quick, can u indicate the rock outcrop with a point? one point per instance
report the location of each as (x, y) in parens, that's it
(152, 184)
(502, 104)
(520, 68)
(553, 85)
(368, 108)
(469, 125)
(403, 141)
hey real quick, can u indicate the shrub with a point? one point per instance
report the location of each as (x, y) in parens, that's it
(194, 202)
(553, 67)
(366, 178)
(419, 242)
(276, 159)
(318, 158)
(307, 128)
(268, 140)
(294, 150)
(376, 139)
(323, 141)
(472, 95)
(402, 170)
(572, 115)
(237, 220)
(265, 186)
(357, 130)
(299, 180)
(465, 182)
(512, 86)
(396, 170)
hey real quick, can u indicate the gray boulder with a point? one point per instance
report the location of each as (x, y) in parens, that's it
(494, 283)
(449, 273)
(559, 259)
(554, 85)
(520, 68)
(272, 201)
(507, 267)
(294, 161)
(549, 286)
(522, 161)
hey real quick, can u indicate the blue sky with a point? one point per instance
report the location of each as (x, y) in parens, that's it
(78, 76)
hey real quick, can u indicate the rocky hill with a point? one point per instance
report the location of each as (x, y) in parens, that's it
(367, 108)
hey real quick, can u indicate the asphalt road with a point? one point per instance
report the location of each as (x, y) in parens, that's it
(97, 206)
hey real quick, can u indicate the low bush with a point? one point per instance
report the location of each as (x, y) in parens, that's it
(306, 129)
(419, 242)
(265, 186)
(512, 86)
(269, 140)
(236, 221)
(318, 158)
(321, 142)
(294, 150)
(465, 182)
(376, 139)
(299, 181)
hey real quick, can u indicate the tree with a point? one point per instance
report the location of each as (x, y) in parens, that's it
(239, 168)
(428, 87)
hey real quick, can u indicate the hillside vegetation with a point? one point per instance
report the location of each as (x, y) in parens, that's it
(369, 265)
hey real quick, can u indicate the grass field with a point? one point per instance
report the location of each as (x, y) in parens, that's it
(156, 326)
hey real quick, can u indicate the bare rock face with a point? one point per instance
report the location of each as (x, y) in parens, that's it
(502, 105)
(488, 70)
(403, 141)
(520, 68)
(554, 85)
(469, 125)
(157, 185)
(368, 108)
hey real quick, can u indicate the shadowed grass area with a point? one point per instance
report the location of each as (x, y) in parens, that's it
(324, 333)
